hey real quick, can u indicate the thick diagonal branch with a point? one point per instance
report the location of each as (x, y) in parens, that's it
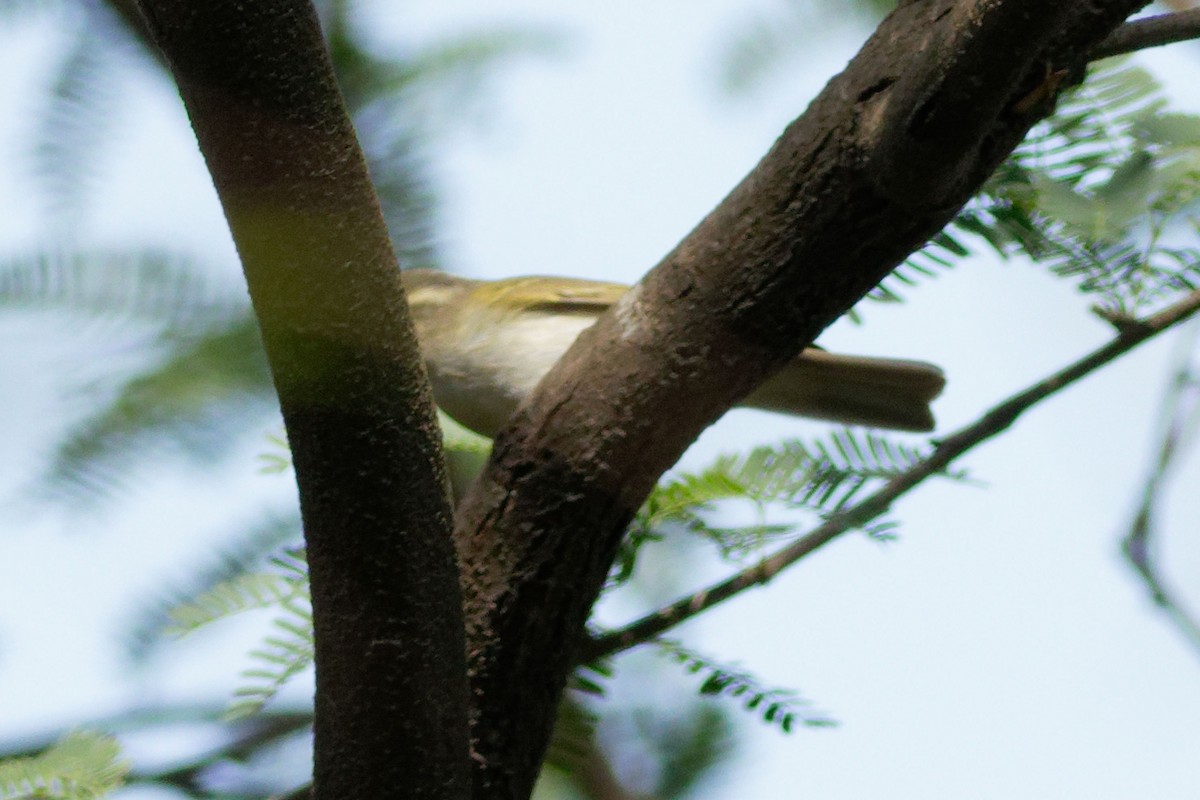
(881, 160)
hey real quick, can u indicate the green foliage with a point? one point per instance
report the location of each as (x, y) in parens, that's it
(279, 459)
(194, 398)
(822, 475)
(230, 581)
(1099, 193)
(194, 401)
(941, 253)
(80, 110)
(573, 740)
(285, 653)
(684, 741)
(242, 760)
(165, 289)
(590, 679)
(283, 656)
(81, 104)
(80, 766)
(689, 749)
(237, 595)
(234, 584)
(208, 381)
(781, 707)
(73, 125)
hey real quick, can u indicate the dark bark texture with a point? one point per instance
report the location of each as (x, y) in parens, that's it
(391, 705)
(879, 162)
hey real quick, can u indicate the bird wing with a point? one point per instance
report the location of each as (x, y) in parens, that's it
(583, 297)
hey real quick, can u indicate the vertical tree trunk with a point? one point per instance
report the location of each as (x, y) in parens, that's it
(391, 705)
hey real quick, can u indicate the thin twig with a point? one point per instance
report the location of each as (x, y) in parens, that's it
(1149, 32)
(991, 423)
(1180, 415)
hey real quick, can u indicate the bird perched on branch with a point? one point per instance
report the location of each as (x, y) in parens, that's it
(486, 345)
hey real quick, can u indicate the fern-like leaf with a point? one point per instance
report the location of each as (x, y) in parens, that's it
(282, 657)
(81, 766)
(573, 739)
(209, 375)
(235, 596)
(285, 653)
(1089, 194)
(780, 707)
(206, 589)
(82, 103)
(156, 287)
(822, 475)
(195, 402)
(80, 107)
(278, 459)
(691, 748)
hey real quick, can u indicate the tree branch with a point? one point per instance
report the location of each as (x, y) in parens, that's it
(391, 702)
(990, 424)
(1150, 32)
(880, 161)
(1181, 416)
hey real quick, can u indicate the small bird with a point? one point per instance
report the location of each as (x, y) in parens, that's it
(486, 345)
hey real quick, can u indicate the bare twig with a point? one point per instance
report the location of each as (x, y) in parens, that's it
(991, 423)
(1180, 415)
(1150, 32)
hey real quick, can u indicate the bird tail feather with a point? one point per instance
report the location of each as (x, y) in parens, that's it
(858, 390)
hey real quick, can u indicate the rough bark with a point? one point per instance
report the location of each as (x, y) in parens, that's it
(391, 705)
(880, 161)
